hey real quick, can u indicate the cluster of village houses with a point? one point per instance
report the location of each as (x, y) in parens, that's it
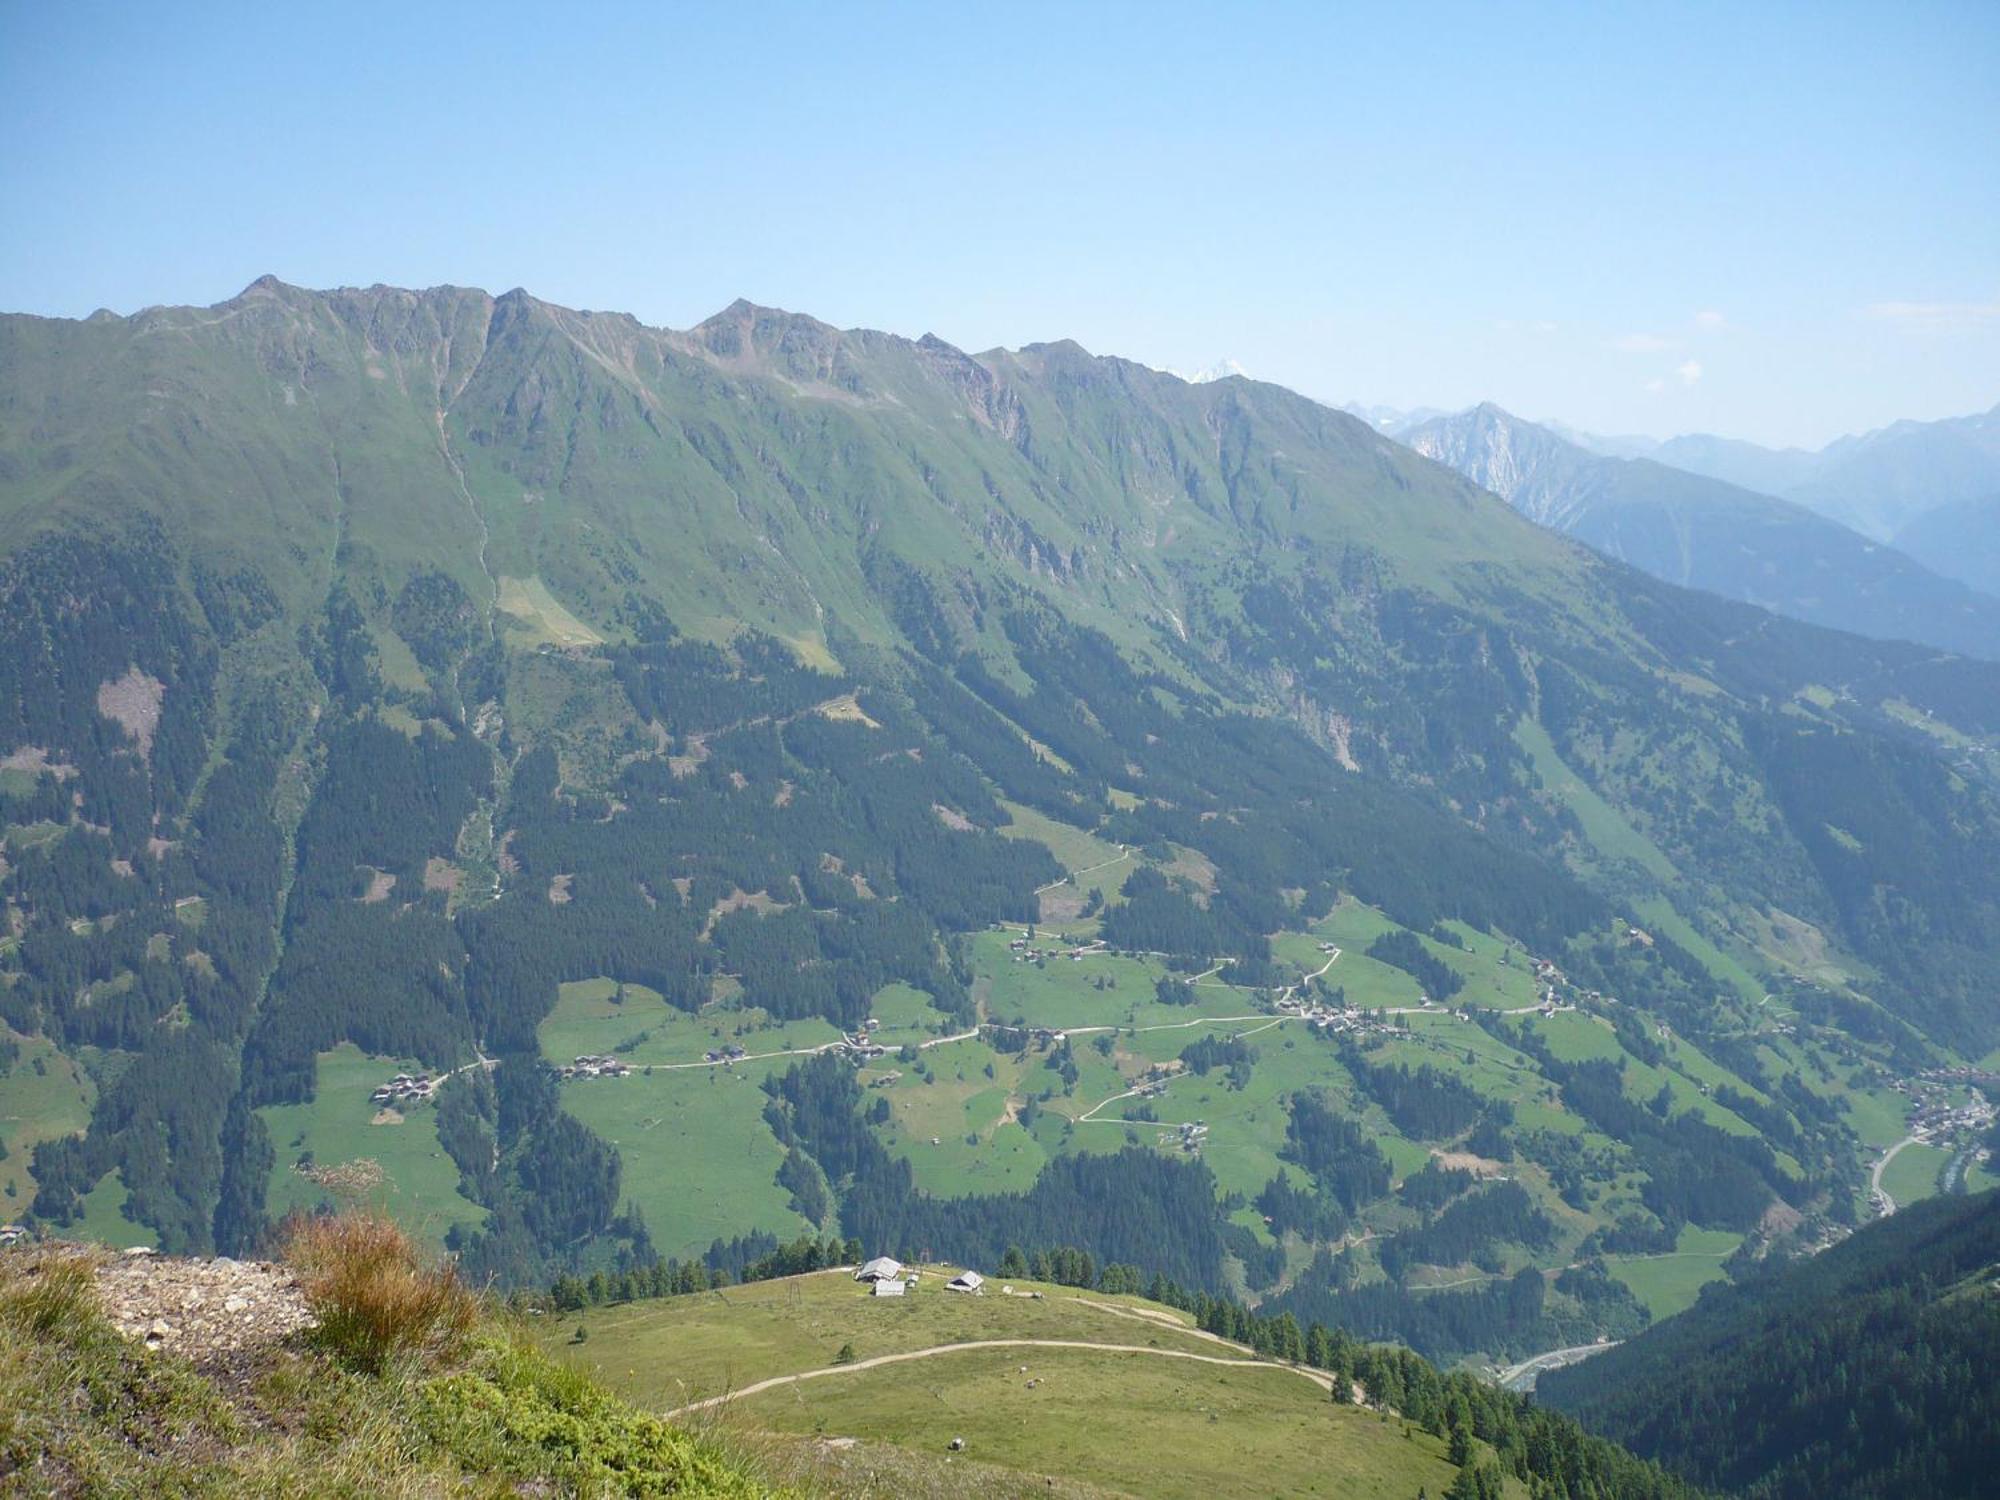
(1188, 1135)
(1023, 951)
(888, 1277)
(1933, 1116)
(859, 1046)
(405, 1088)
(594, 1065)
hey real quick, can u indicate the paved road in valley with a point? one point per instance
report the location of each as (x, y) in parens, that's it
(1884, 1204)
(1521, 1377)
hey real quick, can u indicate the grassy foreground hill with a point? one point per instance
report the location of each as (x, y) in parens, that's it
(1155, 1409)
(1065, 1387)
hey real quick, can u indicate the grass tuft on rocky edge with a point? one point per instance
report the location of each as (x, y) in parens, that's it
(411, 1386)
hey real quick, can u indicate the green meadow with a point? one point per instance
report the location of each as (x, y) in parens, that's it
(1669, 1283)
(418, 1184)
(1914, 1173)
(44, 1095)
(1185, 1430)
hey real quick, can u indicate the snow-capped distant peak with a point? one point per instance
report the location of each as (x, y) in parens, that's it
(1222, 369)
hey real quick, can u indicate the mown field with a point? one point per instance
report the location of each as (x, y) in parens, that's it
(1669, 1282)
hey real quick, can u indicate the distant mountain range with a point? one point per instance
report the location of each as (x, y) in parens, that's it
(1703, 532)
(1929, 489)
(1960, 540)
(1880, 483)
(1222, 369)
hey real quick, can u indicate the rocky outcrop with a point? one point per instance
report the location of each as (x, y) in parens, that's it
(202, 1310)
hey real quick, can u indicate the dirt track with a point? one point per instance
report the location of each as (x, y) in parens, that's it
(1317, 1377)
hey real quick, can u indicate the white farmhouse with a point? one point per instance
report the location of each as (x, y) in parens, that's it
(881, 1268)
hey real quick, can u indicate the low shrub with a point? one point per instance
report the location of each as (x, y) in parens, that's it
(43, 1292)
(375, 1299)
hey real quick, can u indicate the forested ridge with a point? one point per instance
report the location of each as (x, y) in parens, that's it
(1868, 1371)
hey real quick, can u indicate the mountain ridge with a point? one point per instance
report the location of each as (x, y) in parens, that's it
(499, 649)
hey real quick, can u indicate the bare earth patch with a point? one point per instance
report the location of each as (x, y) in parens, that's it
(1341, 733)
(386, 1117)
(1062, 904)
(1195, 867)
(833, 865)
(441, 875)
(559, 890)
(741, 900)
(35, 759)
(1465, 1161)
(845, 708)
(133, 702)
(952, 818)
(688, 763)
(380, 883)
(1780, 1218)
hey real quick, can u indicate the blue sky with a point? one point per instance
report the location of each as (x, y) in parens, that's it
(1769, 221)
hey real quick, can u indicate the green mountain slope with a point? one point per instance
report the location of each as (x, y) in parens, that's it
(1867, 1371)
(429, 682)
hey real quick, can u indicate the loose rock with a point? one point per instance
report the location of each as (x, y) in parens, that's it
(205, 1310)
